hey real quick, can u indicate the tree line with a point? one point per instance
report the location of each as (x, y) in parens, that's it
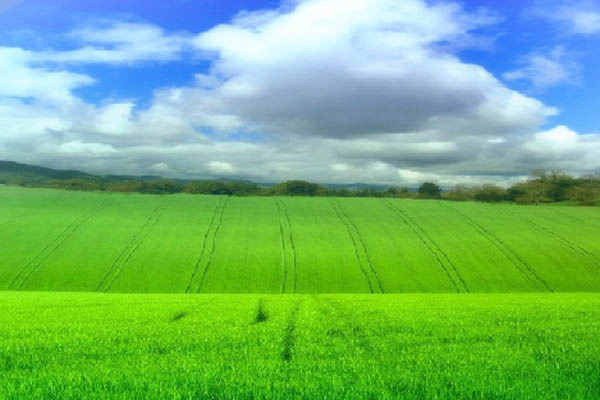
(542, 187)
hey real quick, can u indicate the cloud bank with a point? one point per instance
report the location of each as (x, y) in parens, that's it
(326, 90)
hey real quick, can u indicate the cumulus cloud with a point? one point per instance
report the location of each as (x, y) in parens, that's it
(360, 68)
(565, 148)
(325, 90)
(546, 70)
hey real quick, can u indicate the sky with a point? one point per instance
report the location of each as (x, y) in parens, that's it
(393, 92)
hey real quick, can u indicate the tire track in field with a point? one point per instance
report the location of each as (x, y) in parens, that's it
(289, 336)
(521, 265)
(213, 240)
(593, 258)
(572, 217)
(204, 242)
(442, 259)
(358, 239)
(287, 237)
(586, 222)
(282, 245)
(55, 244)
(354, 246)
(121, 261)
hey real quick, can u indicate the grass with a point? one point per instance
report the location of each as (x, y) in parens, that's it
(410, 346)
(384, 298)
(71, 241)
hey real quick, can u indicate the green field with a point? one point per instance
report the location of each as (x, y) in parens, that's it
(215, 297)
(407, 346)
(83, 241)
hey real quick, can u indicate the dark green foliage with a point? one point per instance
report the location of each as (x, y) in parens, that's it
(430, 190)
(298, 188)
(489, 193)
(587, 193)
(542, 187)
(230, 188)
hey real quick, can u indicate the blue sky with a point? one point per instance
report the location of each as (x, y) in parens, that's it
(373, 91)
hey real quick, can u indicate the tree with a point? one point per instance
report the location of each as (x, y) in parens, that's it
(530, 192)
(396, 192)
(460, 193)
(489, 193)
(161, 186)
(298, 188)
(587, 193)
(74, 184)
(430, 190)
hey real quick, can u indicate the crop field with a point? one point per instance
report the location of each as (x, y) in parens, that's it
(409, 346)
(82, 241)
(219, 297)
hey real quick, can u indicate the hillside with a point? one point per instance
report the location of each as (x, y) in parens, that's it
(9, 169)
(83, 241)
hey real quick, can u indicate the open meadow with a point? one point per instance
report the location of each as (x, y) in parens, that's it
(107, 242)
(295, 297)
(408, 346)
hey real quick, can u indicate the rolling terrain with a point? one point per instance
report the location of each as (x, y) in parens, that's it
(295, 298)
(107, 242)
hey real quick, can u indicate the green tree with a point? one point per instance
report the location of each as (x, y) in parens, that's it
(298, 188)
(489, 193)
(587, 193)
(430, 190)
(460, 193)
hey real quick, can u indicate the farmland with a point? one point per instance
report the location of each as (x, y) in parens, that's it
(410, 346)
(106, 242)
(130, 296)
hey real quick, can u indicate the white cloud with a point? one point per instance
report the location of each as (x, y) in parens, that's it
(76, 147)
(566, 148)
(120, 43)
(545, 70)
(370, 91)
(582, 18)
(22, 80)
(358, 68)
(114, 119)
(221, 167)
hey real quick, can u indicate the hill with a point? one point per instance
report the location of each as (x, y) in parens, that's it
(108, 242)
(9, 169)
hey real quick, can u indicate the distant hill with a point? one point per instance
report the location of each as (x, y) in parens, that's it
(10, 169)
(14, 172)
(23, 173)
